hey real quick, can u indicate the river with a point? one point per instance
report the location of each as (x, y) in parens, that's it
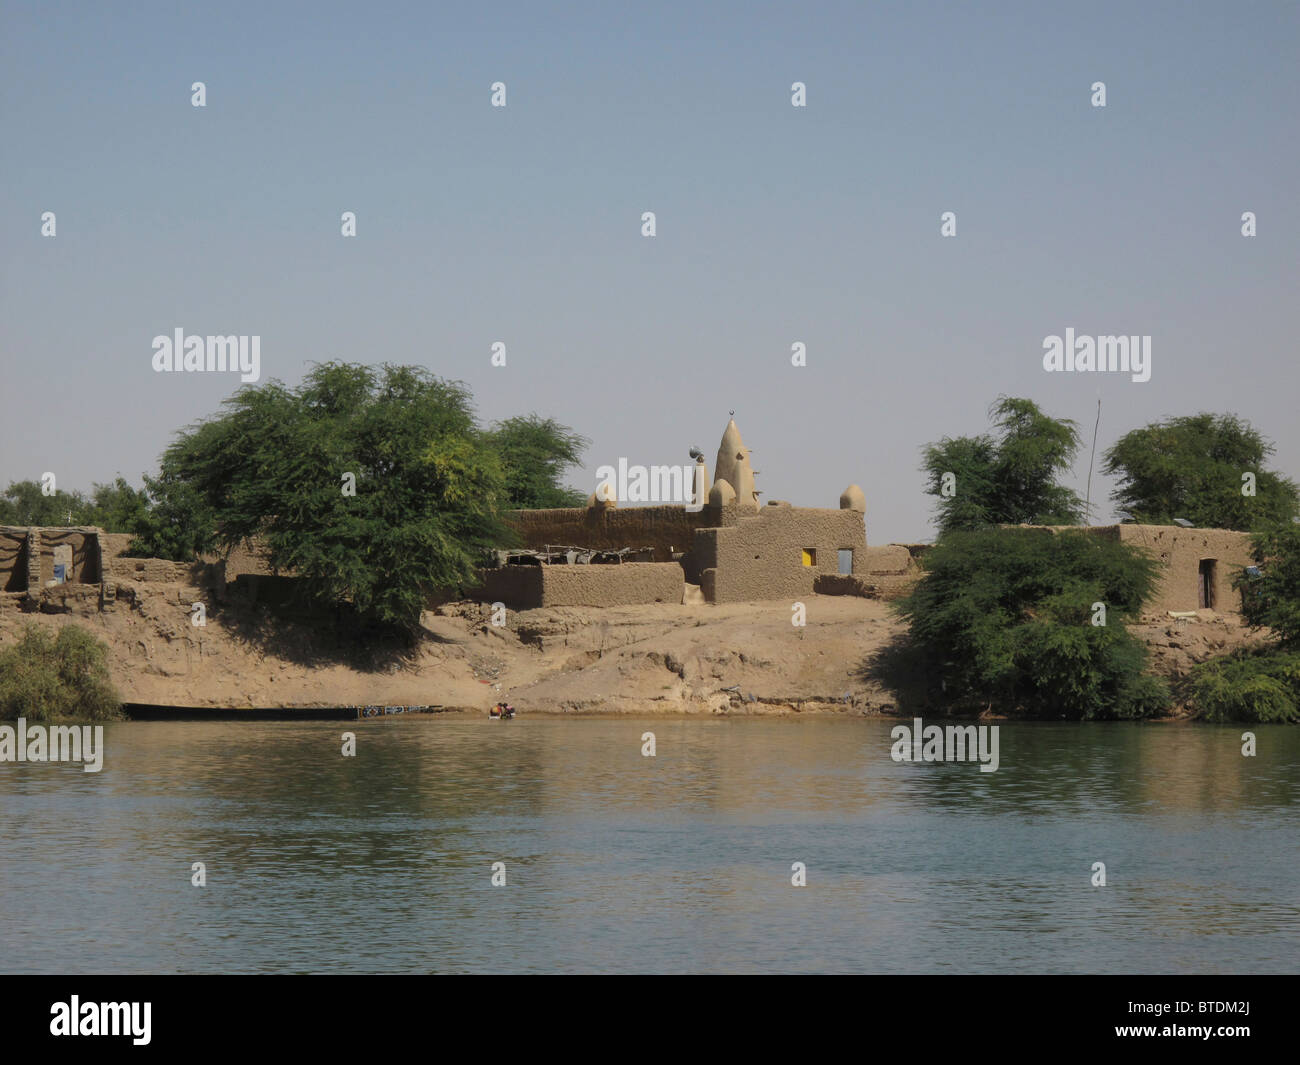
(681, 862)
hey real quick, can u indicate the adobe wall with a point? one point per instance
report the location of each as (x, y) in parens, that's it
(1180, 552)
(613, 585)
(85, 554)
(27, 556)
(889, 559)
(530, 587)
(892, 569)
(666, 527)
(519, 587)
(111, 545)
(761, 556)
(13, 560)
(154, 570)
(245, 559)
(843, 584)
(157, 570)
(209, 570)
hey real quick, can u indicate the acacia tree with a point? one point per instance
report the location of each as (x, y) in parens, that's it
(1007, 477)
(535, 453)
(1008, 618)
(1271, 594)
(1192, 468)
(373, 486)
(115, 507)
(25, 503)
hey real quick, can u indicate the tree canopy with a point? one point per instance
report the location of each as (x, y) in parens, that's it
(114, 507)
(374, 486)
(1192, 468)
(1008, 618)
(535, 453)
(1007, 477)
(1271, 597)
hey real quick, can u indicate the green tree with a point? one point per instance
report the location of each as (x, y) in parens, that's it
(24, 503)
(1271, 597)
(117, 507)
(45, 677)
(1008, 477)
(534, 453)
(1192, 467)
(1005, 618)
(113, 507)
(178, 522)
(1260, 684)
(279, 464)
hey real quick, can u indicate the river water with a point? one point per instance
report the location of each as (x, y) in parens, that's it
(681, 862)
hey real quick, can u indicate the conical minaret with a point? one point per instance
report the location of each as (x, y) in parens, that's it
(733, 467)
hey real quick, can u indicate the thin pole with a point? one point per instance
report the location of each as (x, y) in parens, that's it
(1087, 502)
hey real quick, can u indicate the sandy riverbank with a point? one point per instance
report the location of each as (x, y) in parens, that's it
(660, 658)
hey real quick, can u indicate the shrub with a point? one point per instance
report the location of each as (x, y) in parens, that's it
(1272, 599)
(1005, 618)
(45, 677)
(1257, 685)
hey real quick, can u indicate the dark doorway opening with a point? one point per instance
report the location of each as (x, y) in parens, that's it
(1205, 584)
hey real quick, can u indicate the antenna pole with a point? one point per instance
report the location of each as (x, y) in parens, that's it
(1087, 502)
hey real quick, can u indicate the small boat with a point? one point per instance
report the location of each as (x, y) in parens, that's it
(502, 711)
(385, 711)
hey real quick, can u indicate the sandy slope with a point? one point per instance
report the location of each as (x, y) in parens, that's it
(737, 658)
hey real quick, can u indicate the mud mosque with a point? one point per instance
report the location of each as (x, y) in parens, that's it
(724, 546)
(727, 548)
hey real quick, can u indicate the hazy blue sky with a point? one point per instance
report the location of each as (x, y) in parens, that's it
(775, 224)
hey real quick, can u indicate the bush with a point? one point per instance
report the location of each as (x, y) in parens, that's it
(1005, 618)
(373, 487)
(1190, 467)
(1007, 477)
(1272, 599)
(1258, 685)
(45, 677)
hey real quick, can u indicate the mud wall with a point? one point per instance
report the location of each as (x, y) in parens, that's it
(211, 569)
(13, 560)
(892, 569)
(519, 587)
(889, 559)
(620, 585)
(157, 570)
(246, 559)
(667, 528)
(111, 545)
(85, 554)
(530, 587)
(762, 556)
(27, 556)
(1180, 552)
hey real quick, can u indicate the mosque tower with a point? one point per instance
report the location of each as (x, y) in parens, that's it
(733, 467)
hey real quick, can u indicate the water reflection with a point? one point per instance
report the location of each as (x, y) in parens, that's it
(680, 862)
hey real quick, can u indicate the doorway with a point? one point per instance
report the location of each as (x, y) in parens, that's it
(1205, 584)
